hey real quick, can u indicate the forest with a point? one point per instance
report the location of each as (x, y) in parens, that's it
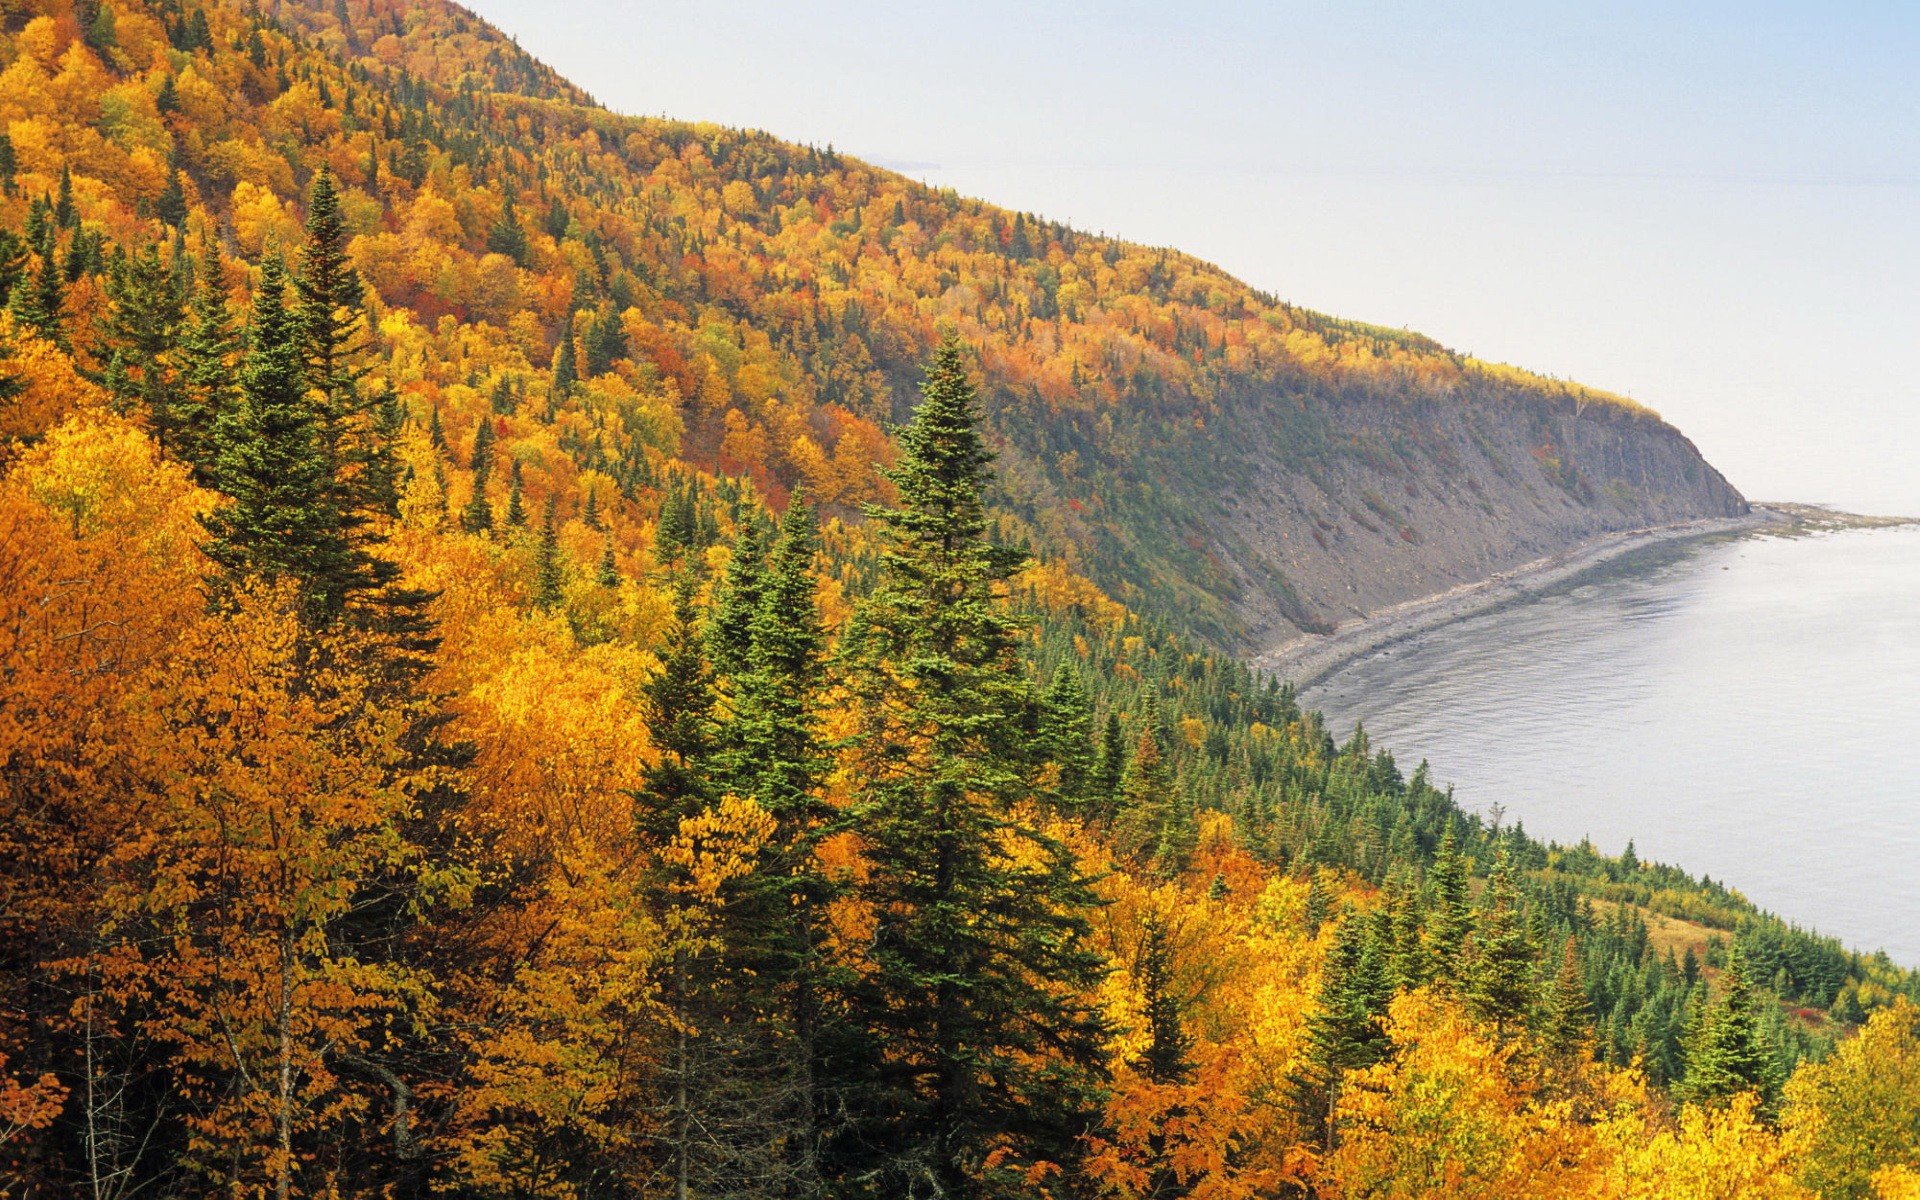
(530, 666)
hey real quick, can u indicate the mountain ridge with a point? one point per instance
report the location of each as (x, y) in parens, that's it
(1123, 382)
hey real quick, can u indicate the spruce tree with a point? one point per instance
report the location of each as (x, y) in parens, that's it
(478, 517)
(269, 458)
(1450, 910)
(1111, 768)
(549, 577)
(609, 574)
(565, 375)
(1566, 1019)
(39, 302)
(516, 502)
(981, 968)
(141, 329)
(207, 348)
(1727, 1054)
(737, 604)
(506, 236)
(327, 314)
(777, 755)
(1066, 738)
(1345, 1031)
(1499, 986)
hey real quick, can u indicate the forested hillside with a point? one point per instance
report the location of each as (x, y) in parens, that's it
(544, 654)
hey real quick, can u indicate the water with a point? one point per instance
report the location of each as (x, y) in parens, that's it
(1751, 712)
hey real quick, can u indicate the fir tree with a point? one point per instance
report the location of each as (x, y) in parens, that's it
(1727, 1054)
(609, 575)
(605, 341)
(327, 314)
(565, 375)
(1499, 985)
(776, 755)
(140, 330)
(1345, 1031)
(40, 301)
(171, 207)
(991, 1056)
(506, 237)
(65, 214)
(549, 579)
(1450, 912)
(1111, 768)
(13, 264)
(269, 458)
(730, 631)
(207, 348)
(1066, 738)
(478, 517)
(1566, 1018)
(516, 504)
(9, 165)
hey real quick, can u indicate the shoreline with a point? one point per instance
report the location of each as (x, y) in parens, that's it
(1307, 660)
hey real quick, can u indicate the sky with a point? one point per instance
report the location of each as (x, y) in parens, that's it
(1714, 209)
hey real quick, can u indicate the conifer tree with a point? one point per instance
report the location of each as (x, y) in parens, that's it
(549, 578)
(1566, 1019)
(1727, 1054)
(1112, 765)
(737, 604)
(478, 517)
(516, 502)
(1499, 985)
(141, 329)
(327, 314)
(39, 302)
(565, 374)
(1450, 913)
(269, 458)
(609, 574)
(978, 992)
(506, 236)
(207, 348)
(1066, 737)
(1345, 1031)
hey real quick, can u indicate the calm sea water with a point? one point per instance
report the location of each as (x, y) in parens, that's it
(1751, 712)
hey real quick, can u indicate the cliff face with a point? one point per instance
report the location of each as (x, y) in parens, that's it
(1411, 500)
(1299, 507)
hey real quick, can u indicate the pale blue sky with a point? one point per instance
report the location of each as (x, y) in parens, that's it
(1711, 207)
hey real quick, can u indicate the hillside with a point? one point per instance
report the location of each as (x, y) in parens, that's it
(513, 683)
(1202, 451)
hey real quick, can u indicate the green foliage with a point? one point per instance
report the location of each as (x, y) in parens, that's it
(981, 961)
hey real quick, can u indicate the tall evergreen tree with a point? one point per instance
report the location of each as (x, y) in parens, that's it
(269, 458)
(1345, 1030)
(549, 574)
(737, 604)
(479, 515)
(1566, 1019)
(1500, 976)
(1727, 1053)
(978, 994)
(1066, 738)
(1110, 769)
(565, 374)
(40, 301)
(206, 370)
(1450, 912)
(141, 329)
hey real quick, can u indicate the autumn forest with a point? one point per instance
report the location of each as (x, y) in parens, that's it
(551, 654)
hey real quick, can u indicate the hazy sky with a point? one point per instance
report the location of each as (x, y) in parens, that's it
(1713, 208)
